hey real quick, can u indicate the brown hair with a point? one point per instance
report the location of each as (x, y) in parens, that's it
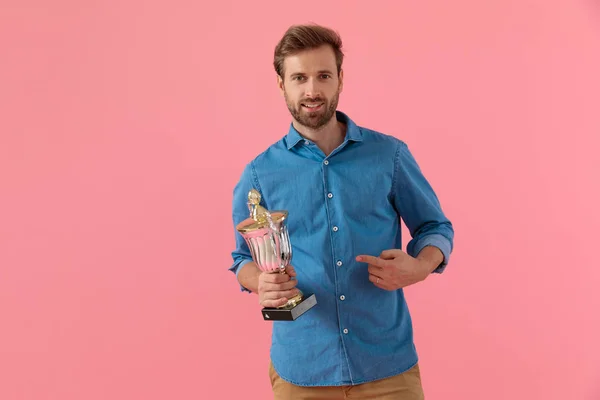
(305, 37)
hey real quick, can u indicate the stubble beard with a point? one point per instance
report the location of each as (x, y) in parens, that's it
(313, 120)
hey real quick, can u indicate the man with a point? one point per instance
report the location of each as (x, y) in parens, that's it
(346, 188)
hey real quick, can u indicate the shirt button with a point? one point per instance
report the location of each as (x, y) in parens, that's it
(329, 195)
(345, 330)
(306, 142)
(335, 228)
(342, 297)
(339, 263)
(326, 162)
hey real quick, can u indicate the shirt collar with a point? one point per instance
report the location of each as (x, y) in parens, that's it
(353, 132)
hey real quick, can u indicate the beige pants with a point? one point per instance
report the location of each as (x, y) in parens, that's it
(405, 386)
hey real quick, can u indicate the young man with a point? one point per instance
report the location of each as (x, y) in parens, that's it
(346, 188)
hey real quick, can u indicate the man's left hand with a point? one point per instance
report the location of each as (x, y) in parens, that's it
(395, 269)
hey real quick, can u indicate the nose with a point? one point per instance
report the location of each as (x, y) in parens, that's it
(312, 88)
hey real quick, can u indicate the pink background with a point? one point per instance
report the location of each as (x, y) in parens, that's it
(124, 126)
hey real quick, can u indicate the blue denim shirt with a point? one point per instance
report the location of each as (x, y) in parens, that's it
(340, 206)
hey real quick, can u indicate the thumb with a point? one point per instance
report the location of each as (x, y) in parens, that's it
(391, 254)
(290, 270)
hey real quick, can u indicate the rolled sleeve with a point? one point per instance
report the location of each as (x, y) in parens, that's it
(237, 267)
(419, 207)
(241, 254)
(434, 240)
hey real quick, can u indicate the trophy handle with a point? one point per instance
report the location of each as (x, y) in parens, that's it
(274, 246)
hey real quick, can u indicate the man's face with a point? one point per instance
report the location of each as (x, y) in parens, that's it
(311, 86)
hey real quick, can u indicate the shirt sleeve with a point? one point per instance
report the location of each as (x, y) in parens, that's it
(241, 254)
(419, 208)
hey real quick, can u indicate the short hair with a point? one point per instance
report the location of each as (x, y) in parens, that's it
(304, 37)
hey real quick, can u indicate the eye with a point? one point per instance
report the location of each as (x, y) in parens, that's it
(325, 76)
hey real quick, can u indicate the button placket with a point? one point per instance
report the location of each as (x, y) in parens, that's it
(335, 228)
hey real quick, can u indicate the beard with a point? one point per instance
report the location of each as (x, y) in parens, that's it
(315, 119)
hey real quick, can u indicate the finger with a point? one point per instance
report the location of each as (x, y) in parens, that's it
(275, 277)
(290, 270)
(270, 297)
(275, 294)
(274, 303)
(372, 269)
(391, 254)
(274, 287)
(378, 262)
(377, 281)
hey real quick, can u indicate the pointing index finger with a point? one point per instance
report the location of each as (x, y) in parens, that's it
(378, 262)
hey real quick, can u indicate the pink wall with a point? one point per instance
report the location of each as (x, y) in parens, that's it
(124, 126)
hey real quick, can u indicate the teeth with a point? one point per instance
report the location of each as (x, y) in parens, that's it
(311, 105)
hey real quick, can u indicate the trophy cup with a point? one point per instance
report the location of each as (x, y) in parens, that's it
(267, 237)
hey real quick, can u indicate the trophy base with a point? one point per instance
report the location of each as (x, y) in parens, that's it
(289, 313)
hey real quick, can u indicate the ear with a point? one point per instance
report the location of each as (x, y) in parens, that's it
(280, 85)
(341, 79)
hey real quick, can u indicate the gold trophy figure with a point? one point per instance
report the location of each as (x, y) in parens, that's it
(267, 236)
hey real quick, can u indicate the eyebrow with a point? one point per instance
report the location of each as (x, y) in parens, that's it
(323, 71)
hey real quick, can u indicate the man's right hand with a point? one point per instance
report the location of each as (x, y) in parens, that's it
(274, 289)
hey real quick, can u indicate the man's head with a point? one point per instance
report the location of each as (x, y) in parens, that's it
(308, 61)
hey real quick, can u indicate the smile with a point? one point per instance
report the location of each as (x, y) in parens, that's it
(313, 107)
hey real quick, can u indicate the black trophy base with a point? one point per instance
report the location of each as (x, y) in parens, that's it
(290, 314)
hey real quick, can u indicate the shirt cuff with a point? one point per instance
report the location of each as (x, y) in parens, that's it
(435, 240)
(236, 267)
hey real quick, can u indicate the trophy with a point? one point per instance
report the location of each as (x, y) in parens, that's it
(267, 237)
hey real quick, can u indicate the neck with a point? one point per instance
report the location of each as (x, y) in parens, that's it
(327, 138)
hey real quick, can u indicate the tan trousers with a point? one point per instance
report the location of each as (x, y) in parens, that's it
(405, 386)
